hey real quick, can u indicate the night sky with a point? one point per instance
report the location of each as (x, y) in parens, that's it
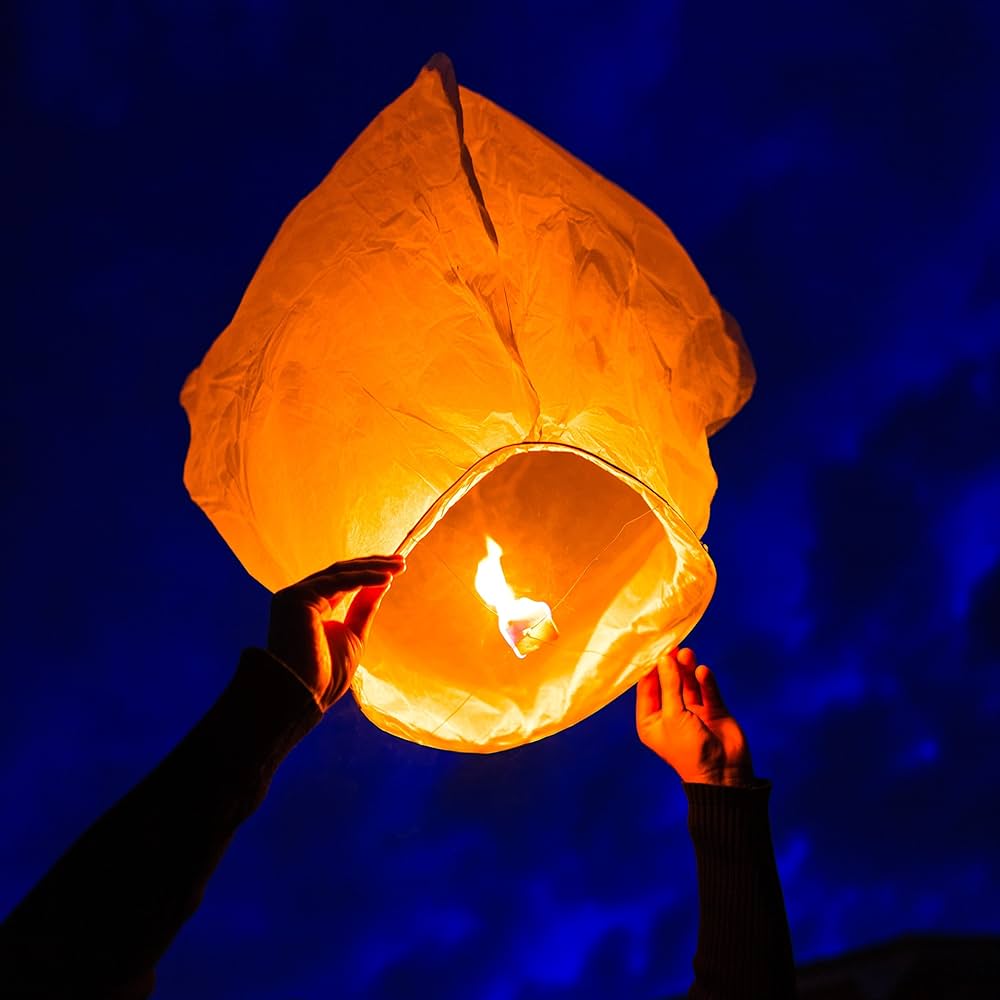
(834, 171)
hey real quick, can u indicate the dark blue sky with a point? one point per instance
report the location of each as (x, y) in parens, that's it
(834, 171)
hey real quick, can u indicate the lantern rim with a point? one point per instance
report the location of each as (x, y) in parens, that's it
(494, 459)
(701, 568)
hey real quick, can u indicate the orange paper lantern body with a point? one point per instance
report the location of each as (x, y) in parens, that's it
(465, 332)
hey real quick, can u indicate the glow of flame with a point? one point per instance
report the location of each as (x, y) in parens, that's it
(525, 624)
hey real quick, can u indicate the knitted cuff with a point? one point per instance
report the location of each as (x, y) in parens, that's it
(729, 820)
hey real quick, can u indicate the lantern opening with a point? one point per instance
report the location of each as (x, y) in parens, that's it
(583, 545)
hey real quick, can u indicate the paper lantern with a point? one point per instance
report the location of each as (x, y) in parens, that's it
(466, 337)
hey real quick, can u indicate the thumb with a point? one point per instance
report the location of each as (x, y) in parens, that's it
(362, 611)
(647, 698)
(711, 696)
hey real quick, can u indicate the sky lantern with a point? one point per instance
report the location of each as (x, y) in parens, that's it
(467, 346)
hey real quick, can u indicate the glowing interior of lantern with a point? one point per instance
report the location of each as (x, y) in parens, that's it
(524, 623)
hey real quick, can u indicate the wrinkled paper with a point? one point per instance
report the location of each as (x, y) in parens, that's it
(460, 297)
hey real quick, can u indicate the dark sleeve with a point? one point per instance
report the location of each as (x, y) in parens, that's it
(744, 947)
(99, 921)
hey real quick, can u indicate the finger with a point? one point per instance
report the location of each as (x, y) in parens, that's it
(671, 685)
(647, 697)
(710, 693)
(691, 688)
(332, 584)
(361, 613)
(392, 564)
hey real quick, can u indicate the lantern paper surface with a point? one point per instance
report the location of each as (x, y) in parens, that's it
(465, 333)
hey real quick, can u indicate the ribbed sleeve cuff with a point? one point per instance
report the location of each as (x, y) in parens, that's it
(744, 951)
(730, 821)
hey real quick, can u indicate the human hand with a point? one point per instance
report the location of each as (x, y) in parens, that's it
(680, 715)
(321, 651)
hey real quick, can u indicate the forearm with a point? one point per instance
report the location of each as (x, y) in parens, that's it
(744, 947)
(98, 922)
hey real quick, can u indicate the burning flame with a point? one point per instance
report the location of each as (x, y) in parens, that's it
(525, 624)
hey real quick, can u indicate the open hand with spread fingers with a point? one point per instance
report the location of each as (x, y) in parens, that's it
(320, 650)
(680, 715)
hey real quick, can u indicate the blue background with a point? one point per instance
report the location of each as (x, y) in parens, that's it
(833, 168)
